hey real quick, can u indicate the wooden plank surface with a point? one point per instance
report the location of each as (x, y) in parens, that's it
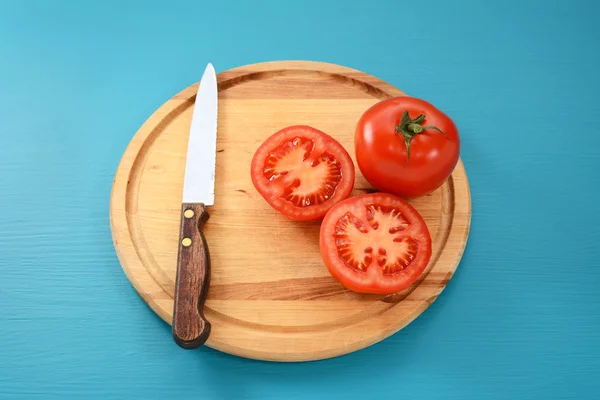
(520, 318)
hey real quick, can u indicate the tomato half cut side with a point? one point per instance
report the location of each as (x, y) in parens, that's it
(302, 172)
(375, 243)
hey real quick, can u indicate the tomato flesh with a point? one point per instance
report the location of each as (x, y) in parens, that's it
(375, 243)
(302, 172)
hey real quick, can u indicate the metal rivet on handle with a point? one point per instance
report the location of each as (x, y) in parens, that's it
(186, 242)
(188, 213)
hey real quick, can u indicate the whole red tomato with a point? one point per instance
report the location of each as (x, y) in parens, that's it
(406, 146)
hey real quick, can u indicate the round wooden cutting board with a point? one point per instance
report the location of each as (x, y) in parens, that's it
(270, 297)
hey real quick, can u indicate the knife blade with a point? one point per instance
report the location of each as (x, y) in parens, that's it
(190, 328)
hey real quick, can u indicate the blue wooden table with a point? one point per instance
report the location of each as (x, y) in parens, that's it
(520, 319)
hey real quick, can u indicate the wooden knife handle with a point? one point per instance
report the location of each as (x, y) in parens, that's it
(190, 327)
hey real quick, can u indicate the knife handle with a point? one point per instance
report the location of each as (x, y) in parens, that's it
(190, 327)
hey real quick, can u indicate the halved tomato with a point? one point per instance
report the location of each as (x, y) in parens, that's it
(375, 243)
(302, 172)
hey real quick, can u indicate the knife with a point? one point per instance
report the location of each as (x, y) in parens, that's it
(190, 328)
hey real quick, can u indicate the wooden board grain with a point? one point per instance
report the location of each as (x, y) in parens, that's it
(270, 296)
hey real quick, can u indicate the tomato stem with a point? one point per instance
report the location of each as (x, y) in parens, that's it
(415, 128)
(409, 128)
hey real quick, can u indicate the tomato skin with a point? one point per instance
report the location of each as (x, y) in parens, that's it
(323, 144)
(372, 280)
(381, 152)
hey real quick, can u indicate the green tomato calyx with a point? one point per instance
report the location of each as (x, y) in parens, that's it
(409, 128)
